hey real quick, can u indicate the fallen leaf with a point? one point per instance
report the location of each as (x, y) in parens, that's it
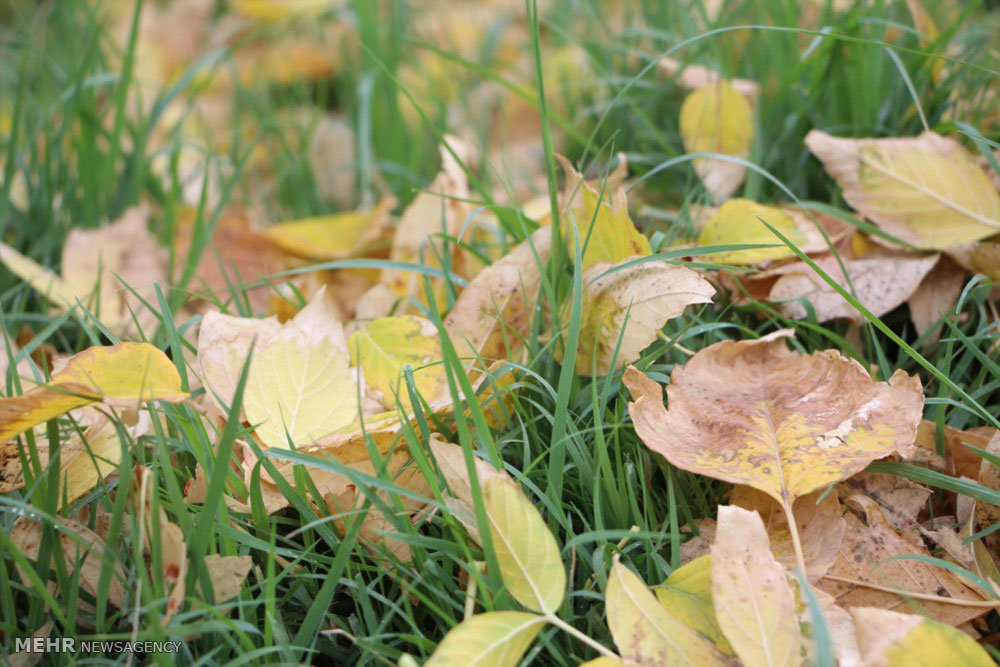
(122, 376)
(168, 538)
(753, 600)
(224, 344)
(925, 190)
(493, 639)
(936, 295)
(530, 564)
(900, 500)
(631, 305)
(645, 633)
(450, 459)
(738, 221)
(495, 312)
(869, 554)
(227, 574)
(756, 413)
(839, 627)
(600, 217)
(687, 596)
(331, 237)
(717, 119)
(986, 515)
(695, 76)
(389, 345)
(880, 284)
(100, 269)
(891, 639)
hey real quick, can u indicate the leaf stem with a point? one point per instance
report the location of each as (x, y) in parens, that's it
(986, 604)
(793, 529)
(566, 627)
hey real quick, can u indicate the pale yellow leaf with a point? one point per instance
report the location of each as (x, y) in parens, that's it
(715, 118)
(924, 190)
(753, 601)
(602, 224)
(451, 461)
(631, 305)
(122, 376)
(227, 574)
(891, 639)
(738, 221)
(530, 564)
(645, 633)
(757, 413)
(331, 237)
(493, 639)
(386, 347)
(687, 596)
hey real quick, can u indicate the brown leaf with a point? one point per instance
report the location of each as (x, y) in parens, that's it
(987, 514)
(900, 500)
(168, 536)
(936, 295)
(227, 574)
(756, 413)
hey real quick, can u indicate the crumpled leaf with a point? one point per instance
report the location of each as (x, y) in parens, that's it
(717, 119)
(687, 596)
(100, 269)
(866, 555)
(645, 633)
(739, 221)
(122, 376)
(384, 348)
(496, 310)
(924, 190)
(632, 304)
(530, 564)
(891, 639)
(605, 230)
(493, 639)
(754, 603)
(756, 413)
(331, 237)
(880, 283)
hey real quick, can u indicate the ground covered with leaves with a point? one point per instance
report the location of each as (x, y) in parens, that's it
(499, 332)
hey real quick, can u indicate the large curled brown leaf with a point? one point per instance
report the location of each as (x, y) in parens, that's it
(757, 413)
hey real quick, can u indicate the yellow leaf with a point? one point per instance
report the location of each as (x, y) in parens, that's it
(603, 661)
(754, 603)
(717, 119)
(493, 639)
(271, 11)
(632, 305)
(122, 375)
(530, 564)
(384, 348)
(643, 630)
(687, 596)
(299, 387)
(891, 639)
(606, 232)
(925, 190)
(331, 237)
(756, 413)
(495, 312)
(738, 221)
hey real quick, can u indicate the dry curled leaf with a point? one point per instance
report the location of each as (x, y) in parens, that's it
(926, 190)
(757, 413)
(631, 305)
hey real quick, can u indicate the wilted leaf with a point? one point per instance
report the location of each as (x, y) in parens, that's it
(493, 639)
(936, 295)
(687, 596)
(331, 237)
(869, 553)
(633, 304)
(738, 221)
(989, 476)
(879, 283)
(227, 574)
(121, 376)
(605, 230)
(496, 310)
(753, 600)
(717, 119)
(900, 500)
(756, 413)
(645, 633)
(384, 348)
(84, 552)
(925, 190)
(530, 564)
(890, 639)
(100, 269)
(166, 536)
